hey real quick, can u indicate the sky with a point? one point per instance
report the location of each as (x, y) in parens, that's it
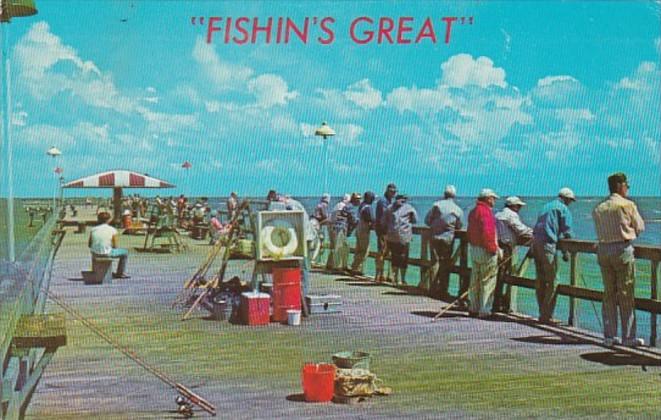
(530, 97)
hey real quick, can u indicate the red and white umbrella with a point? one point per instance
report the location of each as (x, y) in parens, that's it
(117, 180)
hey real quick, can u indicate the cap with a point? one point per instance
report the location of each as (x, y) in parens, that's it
(346, 197)
(514, 201)
(401, 196)
(391, 187)
(355, 196)
(566, 193)
(450, 190)
(126, 212)
(487, 192)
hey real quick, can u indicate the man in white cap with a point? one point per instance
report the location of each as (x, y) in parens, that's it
(511, 232)
(484, 250)
(618, 223)
(553, 224)
(444, 218)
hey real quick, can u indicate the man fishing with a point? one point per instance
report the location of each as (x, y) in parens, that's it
(618, 224)
(444, 218)
(553, 224)
(511, 232)
(484, 252)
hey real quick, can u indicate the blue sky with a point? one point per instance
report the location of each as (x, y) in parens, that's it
(532, 97)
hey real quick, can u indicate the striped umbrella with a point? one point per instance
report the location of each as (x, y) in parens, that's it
(118, 180)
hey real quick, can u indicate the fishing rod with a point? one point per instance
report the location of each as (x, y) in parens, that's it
(476, 285)
(189, 397)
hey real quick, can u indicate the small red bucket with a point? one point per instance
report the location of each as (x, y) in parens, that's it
(318, 382)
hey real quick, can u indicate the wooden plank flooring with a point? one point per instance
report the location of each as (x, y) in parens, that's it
(457, 367)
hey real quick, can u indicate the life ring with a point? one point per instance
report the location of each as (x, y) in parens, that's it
(287, 235)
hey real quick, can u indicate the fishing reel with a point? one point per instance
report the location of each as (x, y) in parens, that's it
(185, 407)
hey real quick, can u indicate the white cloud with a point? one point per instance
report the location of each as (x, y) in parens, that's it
(270, 90)
(284, 124)
(557, 91)
(167, 123)
(550, 80)
(572, 116)
(641, 79)
(307, 129)
(38, 53)
(420, 101)
(348, 135)
(223, 75)
(44, 135)
(19, 118)
(364, 95)
(462, 70)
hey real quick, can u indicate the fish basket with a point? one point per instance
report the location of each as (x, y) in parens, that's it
(352, 359)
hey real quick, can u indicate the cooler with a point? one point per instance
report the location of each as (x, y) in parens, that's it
(255, 308)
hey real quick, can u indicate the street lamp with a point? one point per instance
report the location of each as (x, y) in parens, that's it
(54, 152)
(8, 10)
(325, 131)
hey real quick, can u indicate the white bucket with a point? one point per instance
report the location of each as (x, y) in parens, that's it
(293, 317)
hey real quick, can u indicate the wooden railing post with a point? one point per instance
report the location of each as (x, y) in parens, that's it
(654, 265)
(573, 320)
(464, 276)
(425, 278)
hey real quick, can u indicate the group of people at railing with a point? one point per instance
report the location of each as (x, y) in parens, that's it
(493, 239)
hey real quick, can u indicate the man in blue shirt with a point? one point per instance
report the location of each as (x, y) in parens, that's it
(381, 228)
(553, 224)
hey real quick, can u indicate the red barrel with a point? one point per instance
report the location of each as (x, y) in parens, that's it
(286, 292)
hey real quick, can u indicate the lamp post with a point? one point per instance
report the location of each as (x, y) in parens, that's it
(187, 165)
(8, 10)
(325, 131)
(54, 152)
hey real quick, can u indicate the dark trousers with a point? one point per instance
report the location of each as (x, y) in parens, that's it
(502, 299)
(441, 254)
(399, 254)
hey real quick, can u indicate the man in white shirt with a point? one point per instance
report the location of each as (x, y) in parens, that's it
(511, 232)
(103, 242)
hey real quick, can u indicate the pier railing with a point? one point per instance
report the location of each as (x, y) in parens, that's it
(28, 339)
(645, 254)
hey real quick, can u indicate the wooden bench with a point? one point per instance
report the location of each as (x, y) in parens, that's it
(101, 271)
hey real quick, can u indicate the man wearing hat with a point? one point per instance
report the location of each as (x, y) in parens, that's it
(618, 223)
(400, 218)
(365, 225)
(381, 228)
(553, 224)
(484, 251)
(444, 218)
(511, 232)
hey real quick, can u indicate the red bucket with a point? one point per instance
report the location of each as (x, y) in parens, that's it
(286, 292)
(318, 382)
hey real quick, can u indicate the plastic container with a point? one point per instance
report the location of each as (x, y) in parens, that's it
(352, 359)
(294, 317)
(286, 292)
(318, 382)
(254, 308)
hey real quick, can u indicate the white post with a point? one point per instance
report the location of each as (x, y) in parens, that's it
(6, 143)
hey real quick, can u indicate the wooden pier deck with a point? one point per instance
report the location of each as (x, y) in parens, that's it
(457, 367)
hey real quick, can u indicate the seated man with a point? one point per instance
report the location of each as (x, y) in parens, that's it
(103, 243)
